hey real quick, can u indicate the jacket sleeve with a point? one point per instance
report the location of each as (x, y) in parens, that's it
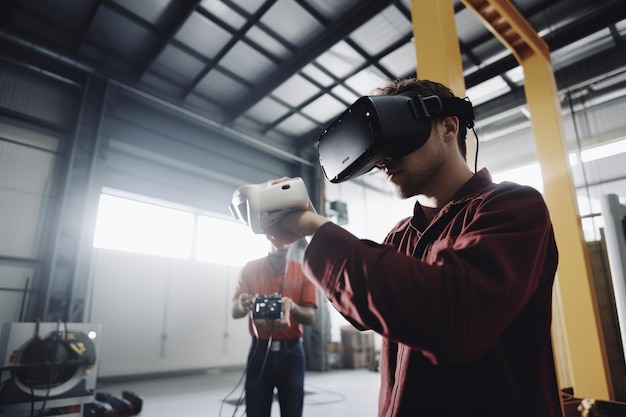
(459, 301)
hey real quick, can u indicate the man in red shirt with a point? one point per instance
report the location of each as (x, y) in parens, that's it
(461, 291)
(276, 358)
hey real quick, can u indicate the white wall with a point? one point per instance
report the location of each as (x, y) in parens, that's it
(162, 315)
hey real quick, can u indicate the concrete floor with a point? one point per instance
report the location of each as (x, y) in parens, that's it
(336, 393)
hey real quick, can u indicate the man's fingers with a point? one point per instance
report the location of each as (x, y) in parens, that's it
(277, 180)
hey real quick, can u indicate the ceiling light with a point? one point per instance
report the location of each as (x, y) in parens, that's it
(609, 81)
(487, 90)
(599, 152)
(603, 151)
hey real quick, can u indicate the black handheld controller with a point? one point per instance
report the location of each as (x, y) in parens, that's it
(268, 307)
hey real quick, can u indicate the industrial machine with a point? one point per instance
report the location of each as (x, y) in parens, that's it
(47, 368)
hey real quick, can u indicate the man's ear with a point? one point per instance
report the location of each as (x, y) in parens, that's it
(450, 127)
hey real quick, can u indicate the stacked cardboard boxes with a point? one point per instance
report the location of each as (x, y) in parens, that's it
(357, 348)
(335, 352)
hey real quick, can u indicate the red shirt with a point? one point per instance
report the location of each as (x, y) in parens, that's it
(463, 303)
(258, 278)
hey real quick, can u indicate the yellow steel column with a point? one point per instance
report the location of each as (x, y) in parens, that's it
(438, 59)
(584, 336)
(438, 52)
(437, 43)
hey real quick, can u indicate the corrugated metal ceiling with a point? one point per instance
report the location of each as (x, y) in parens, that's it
(280, 70)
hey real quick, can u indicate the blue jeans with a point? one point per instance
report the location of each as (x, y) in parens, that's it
(284, 370)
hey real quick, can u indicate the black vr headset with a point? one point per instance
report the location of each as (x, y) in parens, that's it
(378, 127)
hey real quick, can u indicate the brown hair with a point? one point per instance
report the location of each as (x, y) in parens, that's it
(424, 88)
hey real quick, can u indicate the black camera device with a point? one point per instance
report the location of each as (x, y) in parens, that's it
(268, 307)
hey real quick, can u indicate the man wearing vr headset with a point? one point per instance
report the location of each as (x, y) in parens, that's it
(461, 291)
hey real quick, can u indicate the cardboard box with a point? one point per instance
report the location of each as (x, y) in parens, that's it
(357, 347)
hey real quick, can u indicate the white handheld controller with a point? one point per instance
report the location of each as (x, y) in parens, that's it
(261, 205)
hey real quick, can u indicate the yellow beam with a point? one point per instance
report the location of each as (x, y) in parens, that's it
(437, 49)
(583, 332)
(437, 44)
(510, 27)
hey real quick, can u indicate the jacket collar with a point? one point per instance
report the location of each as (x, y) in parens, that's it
(478, 183)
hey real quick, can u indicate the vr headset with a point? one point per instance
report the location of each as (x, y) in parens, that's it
(374, 128)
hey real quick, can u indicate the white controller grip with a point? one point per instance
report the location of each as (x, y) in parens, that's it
(260, 206)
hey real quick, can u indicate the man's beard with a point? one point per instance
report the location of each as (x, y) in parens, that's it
(420, 183)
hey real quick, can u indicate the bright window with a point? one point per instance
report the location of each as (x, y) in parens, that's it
(134, 226)
(228, 242)
(527, 175)
(531, 175)
(599, 152)
(129, 225)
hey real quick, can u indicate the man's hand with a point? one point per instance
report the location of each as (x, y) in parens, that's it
(296, 225)
(285, 321)
(246, 301)
(242, 305)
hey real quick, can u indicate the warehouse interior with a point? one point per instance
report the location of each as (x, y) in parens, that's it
(170, 106)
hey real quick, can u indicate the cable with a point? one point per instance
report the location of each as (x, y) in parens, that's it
(32, 402)
(579, 156)
(241, 396)
(476, 153)
(256, 346)
(53, 362)
(338, 394)
(238, 402)
(233, 390)
(267, 353)
(32, 391)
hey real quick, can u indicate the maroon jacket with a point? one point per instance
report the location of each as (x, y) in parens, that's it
(463, 303)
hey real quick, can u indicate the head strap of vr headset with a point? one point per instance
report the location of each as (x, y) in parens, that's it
(435, 106)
